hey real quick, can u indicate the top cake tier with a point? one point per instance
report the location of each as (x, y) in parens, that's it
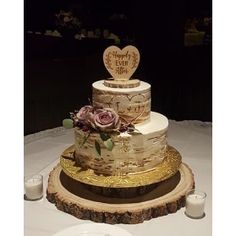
(131, 104)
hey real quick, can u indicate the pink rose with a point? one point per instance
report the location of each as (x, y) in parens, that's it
(90, 120)
(106, 119)
(84, 113)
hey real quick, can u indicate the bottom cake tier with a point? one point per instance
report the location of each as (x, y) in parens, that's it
(167, 168)
(76, 199)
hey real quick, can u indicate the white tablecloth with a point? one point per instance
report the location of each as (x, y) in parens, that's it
(191, 138)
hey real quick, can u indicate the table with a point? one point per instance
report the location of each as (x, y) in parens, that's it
(191, 138)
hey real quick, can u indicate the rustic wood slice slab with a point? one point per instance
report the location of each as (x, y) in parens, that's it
(74, 198)
(122, 83)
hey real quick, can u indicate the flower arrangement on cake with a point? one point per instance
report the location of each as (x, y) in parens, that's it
(104, 121)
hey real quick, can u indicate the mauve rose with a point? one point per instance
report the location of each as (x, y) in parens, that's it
(84, 113)
(90, 120)
(106, 119)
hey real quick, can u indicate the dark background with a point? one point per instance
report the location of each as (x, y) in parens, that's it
(59, 71)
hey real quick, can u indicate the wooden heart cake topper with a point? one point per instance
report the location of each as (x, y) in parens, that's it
(121, 64)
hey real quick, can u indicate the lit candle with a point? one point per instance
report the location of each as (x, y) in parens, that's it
(195, 203)
(34, 187)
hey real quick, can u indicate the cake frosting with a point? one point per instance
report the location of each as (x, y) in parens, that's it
(131, 104)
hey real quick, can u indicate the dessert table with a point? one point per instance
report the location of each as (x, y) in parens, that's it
(191, 138)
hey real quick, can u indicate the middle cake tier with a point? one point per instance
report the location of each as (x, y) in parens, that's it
(131, 153)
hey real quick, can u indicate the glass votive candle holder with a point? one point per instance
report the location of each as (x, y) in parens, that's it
(195, 204)
(33, 187)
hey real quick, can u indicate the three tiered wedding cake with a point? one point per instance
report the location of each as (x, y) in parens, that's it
(118, 133)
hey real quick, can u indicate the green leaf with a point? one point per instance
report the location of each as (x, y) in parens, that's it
(137, 131)
(98, 148)
(109, 144)
(67, 123)
(104, 136)
(132, 129)
(86, 138)
(83, 139)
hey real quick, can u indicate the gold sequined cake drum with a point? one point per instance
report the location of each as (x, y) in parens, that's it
(167, 168)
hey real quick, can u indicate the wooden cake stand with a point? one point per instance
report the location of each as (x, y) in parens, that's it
(75, 198)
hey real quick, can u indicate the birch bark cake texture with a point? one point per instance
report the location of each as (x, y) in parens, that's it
(120, 152)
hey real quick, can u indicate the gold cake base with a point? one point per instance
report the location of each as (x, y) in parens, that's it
(74, 198)
(167, 168)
